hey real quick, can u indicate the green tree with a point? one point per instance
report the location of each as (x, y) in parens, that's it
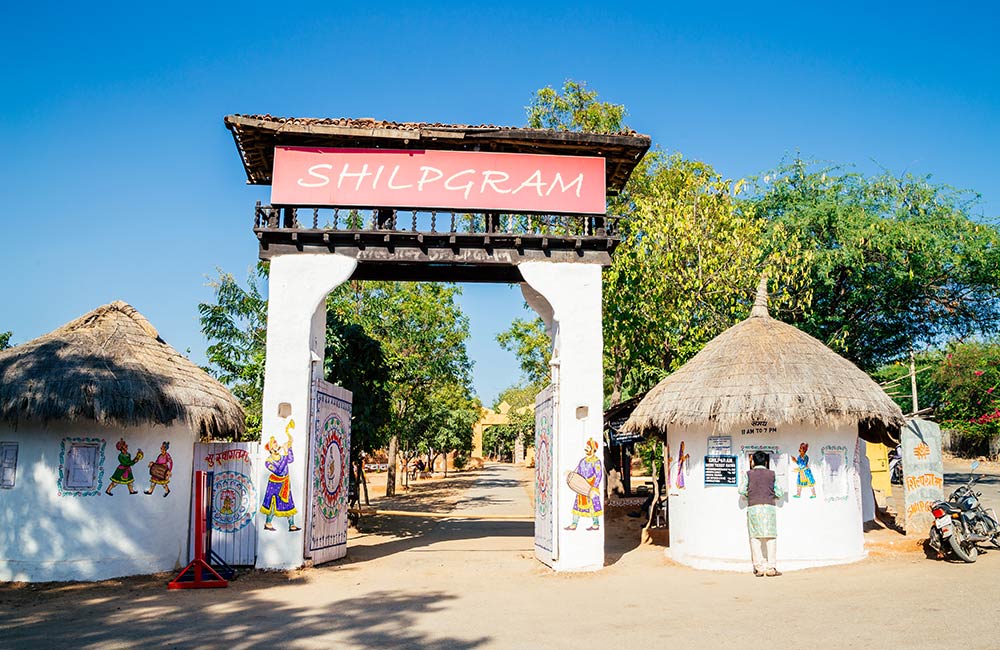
(423, 335)
(574, 109)
(235, 326)
(5, 340)
(894, 378)
(355, 361)
(968, 383)
(895, 263)
(518, 395)
(527, 340)
(690, 257)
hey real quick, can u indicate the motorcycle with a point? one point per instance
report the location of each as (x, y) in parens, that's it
(963, 523)
(896, 466)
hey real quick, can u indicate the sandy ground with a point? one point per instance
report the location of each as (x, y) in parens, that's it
(458, 582)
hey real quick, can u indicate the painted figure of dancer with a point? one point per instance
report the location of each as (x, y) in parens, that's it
(805, 472)
(278, 496)
(123, 475)
(589, 505)
(160, 470)
(682, 459)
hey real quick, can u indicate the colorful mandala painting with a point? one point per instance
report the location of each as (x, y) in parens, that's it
(330, 471)
(233, 501)
(543, 460)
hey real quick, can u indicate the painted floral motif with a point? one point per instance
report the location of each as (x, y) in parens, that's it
(232, 501)
(329, 475)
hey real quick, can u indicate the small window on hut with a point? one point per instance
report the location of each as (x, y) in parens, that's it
(81, 466)
(8, 464)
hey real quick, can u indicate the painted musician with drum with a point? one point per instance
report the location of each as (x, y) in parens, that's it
(161, 469)
(586, 482)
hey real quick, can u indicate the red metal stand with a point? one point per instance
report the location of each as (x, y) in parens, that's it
(199, 574)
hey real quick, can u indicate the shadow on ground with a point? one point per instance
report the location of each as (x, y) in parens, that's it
(56, 617)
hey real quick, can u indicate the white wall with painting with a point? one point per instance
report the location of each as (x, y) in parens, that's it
(708, 527)
(58, 523)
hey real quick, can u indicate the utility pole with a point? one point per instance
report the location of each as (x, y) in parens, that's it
(913, 382)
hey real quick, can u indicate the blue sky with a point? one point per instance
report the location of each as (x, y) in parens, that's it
(122, 183)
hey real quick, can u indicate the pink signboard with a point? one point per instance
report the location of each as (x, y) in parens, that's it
(460, 180)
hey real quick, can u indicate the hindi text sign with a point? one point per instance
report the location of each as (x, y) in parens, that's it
(923, 473)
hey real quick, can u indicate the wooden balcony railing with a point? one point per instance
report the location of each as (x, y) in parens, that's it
(439, 222)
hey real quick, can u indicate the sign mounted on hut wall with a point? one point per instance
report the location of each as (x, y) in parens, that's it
(720, 470)
(720, 445)
(758, 427)
(462, 180)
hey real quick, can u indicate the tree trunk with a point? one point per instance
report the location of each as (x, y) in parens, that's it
(363, 482)
(390, 482)
(616, 387)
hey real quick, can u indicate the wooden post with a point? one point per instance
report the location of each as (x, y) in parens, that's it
(194, 574)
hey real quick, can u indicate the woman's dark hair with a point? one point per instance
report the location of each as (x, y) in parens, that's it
(760, 458)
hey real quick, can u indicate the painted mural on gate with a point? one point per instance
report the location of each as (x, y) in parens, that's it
(544, 475)
(329, 472)
(81, 467)
(330, 460)
(233, 501)
(586, 482)
(278, 500)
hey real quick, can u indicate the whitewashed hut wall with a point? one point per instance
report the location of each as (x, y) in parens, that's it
(47, 536)
(708, 524)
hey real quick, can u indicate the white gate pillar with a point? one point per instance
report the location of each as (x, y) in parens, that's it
(296, 342)
(568, 298)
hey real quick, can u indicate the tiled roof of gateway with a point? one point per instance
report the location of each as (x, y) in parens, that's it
(257, 135)
(372, 123)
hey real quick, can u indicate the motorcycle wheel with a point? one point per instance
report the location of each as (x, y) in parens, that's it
(934, 539)
(965, 552)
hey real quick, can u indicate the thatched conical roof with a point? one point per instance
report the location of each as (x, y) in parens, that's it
(112, 366)
(763, 369)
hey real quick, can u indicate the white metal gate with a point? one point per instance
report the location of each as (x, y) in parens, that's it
(234, 498)
(544, 475)
(328, 472)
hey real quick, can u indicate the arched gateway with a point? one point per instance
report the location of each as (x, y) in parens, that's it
(363, 199)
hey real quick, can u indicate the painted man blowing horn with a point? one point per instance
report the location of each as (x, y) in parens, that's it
(278, 496)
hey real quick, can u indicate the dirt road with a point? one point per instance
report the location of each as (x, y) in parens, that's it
(423, 582)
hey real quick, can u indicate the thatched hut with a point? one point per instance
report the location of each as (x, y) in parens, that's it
(76, 407)
(765, 385)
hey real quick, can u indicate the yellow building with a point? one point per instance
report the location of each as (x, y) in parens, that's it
(488, 418)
